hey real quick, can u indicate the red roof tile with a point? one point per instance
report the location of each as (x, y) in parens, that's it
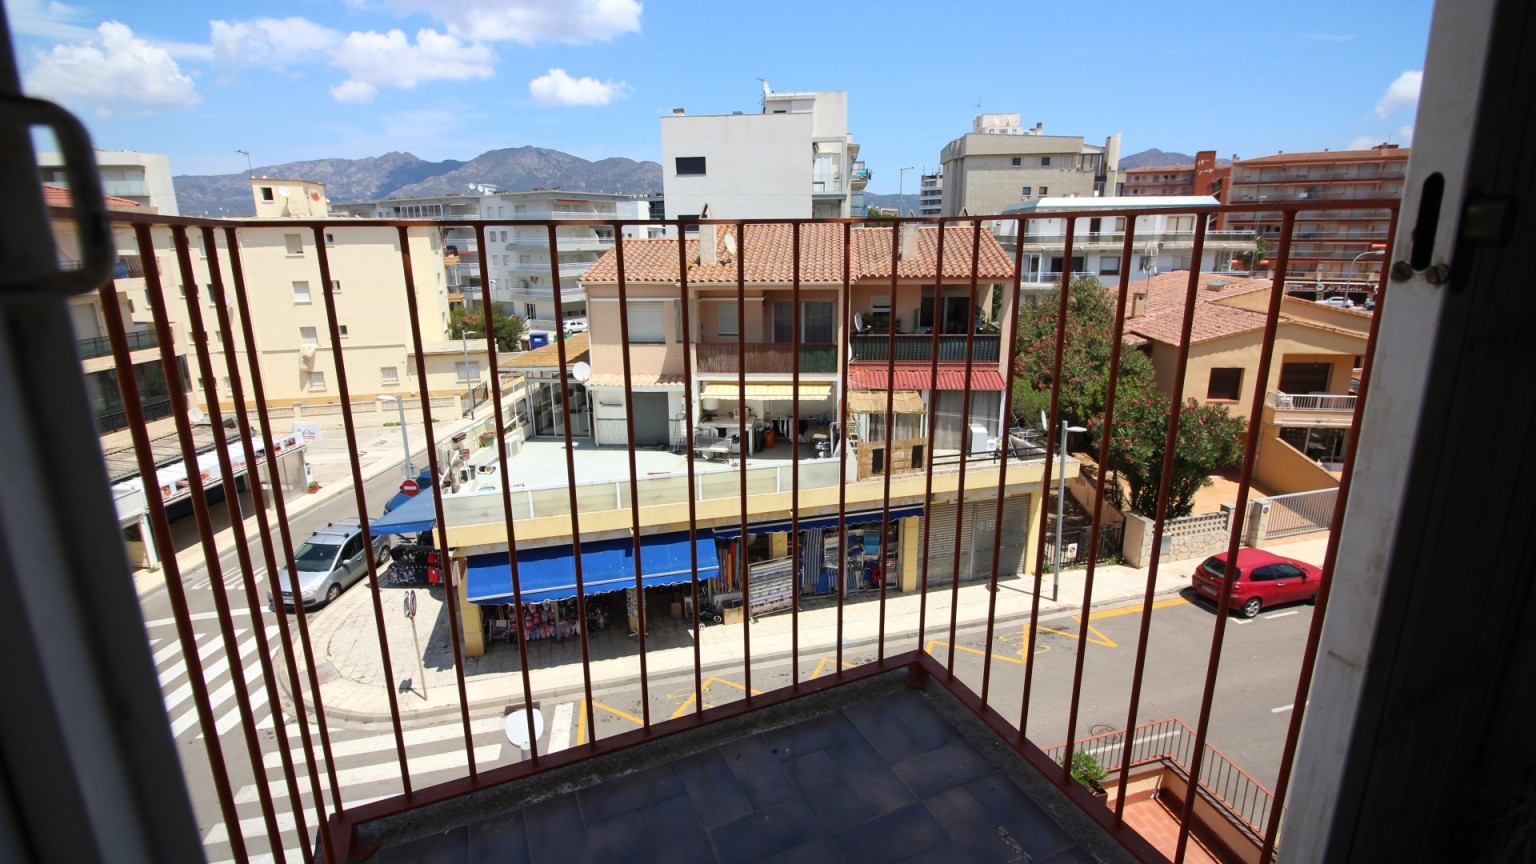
(1164, 318)
(1371, 155)
(767, 252)
(58, 196)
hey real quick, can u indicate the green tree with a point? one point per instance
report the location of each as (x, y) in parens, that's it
(1090, 331)
(1209, 441)
(1252, 257)
(509, 328)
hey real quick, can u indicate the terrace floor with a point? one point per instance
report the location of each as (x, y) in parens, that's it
(867, 772)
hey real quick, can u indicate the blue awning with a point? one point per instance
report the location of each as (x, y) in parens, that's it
(780, 526)
(606, 565)
(414, 516)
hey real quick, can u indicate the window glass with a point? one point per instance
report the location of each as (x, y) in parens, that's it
(352, 547)
(1226, 383)
(1263, 574)
(690, 166)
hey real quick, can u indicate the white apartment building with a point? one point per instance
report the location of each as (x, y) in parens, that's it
(1000, 163)
(143, 178)
(1163, 243)
(793, 160)
(930, 195)
(517, 258)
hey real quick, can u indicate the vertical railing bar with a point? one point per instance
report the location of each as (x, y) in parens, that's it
(242, 545)
(159, 524)
(634, 472)
(570, 467)
(450, 590)
(842, 433)
(192, 300)
(741, 427)
(932, 417)
(323, 259)
(693, 489)
(965, 423)
(1005, 417)
(263, 417)
(795, 552)
(890, 423)
(1051, 443)
(1250, 452)
(1330, 559)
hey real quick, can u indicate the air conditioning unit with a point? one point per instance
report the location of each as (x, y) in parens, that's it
(978, 438)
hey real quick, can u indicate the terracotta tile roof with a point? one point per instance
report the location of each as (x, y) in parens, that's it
(918, 378)
(58, 196)
(576, 347)
(768, 256)
(1164, 318)
(1150, 168)
(1330, 156)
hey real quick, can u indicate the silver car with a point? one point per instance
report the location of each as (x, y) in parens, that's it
(330, 561)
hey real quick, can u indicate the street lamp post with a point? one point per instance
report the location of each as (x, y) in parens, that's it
(901, 189)
(1061, 502)
(405, 438)
(464, 341)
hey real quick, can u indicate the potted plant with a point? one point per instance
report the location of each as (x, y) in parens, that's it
(314, 486)
(1087, 771)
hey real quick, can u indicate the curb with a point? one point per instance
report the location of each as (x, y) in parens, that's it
(579, 690)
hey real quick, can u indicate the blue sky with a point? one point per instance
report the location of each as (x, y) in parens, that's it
(290, 80)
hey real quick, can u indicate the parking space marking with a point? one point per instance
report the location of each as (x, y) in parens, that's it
(1180, 600)
(1282, 709)
(1281, 614)
(824, 662)
(708, 682)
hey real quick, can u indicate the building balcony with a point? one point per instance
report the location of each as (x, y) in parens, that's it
(929, 570)
(101, 346)
(564, 244)
(1331, 405)
(572, 270)
(919, 348)
(765, 357)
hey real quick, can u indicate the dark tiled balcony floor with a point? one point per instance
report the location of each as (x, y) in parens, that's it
(885, 776)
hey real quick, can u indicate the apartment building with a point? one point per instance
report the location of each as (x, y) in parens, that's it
(1332, 244)
(794, 159)
(518, 259)
(930, 195)
(1163, 242)
(143, 178)
(1309, 395)
(1000, 163)
(1160, 180)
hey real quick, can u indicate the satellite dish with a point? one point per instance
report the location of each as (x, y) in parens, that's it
(285, 191)
(581, 371)
(1045, 422)
(730, 244)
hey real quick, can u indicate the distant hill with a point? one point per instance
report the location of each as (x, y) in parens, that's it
(1154, 156)
(402, 175)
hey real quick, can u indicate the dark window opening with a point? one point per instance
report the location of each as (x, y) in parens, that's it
(877, 460)
(690, 166)
(917, 456)
(1225, 384)
(266, 193)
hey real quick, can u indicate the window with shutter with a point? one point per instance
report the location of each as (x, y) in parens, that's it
(647, 324)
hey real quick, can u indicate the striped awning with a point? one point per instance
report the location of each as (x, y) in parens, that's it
(727, 390)
(873, 402)
(922, 379)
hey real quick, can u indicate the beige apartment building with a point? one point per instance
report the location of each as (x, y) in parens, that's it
(1000, 163)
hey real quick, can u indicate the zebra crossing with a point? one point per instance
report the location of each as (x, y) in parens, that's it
(233, 580)
(365, 761)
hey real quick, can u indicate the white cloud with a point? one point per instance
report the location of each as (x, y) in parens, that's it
(277, 42)
(1402, 92)
(48, 20)
(1363, 142)
(113, 72)
(558, 88)
(531, 21)
(1405, 136)
(389, 59)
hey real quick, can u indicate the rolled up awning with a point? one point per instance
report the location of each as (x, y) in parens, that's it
(606, 565)
(873, 402)
(729, 390)
(781, 526)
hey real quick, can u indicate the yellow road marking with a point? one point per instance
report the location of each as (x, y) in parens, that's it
(1132, 610)
(1019, 660)
(581, 723)
(683, 708)
(824, 662)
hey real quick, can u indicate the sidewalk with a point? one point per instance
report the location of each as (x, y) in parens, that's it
(354, 682)
(378, 450)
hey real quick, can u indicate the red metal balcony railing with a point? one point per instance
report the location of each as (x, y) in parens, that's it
(990, 661)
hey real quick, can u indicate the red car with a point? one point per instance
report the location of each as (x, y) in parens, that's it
(1263, 580)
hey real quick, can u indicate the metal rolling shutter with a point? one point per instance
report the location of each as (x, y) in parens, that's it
(941, 547)
(646, 322)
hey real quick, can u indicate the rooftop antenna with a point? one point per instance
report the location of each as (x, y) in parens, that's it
(250, 169)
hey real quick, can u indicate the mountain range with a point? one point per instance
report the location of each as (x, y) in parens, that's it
(403, 175)
(1153, 156)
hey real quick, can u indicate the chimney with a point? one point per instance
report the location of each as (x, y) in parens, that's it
(1138, 305)
(707, 251)
(907, 245)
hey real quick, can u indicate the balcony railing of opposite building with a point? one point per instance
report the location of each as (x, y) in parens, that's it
(1311, 401)
(918, 347)
(767, 358)
(314, 791)
(101, 346)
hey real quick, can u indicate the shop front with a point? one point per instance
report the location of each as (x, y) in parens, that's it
(771, 409)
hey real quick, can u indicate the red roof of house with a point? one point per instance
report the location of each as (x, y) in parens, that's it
(768, 256)
(917, 377)
(1164, 317)
(58, 196)
(1370, 155)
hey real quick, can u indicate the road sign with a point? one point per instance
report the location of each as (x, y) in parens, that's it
(410, 604)
(410, 487)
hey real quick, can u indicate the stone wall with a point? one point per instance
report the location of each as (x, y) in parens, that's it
(1183, 539)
